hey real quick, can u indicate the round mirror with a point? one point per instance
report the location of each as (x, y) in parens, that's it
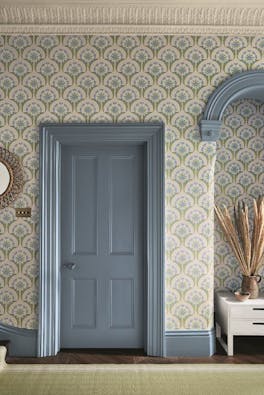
(11, 177)
(5, 178)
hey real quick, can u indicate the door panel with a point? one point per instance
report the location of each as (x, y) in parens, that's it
(122, 206)
(84, 289)
(122, 293)
(84, 191)
(103, 237)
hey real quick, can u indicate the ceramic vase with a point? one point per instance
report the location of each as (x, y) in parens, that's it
(250, 284)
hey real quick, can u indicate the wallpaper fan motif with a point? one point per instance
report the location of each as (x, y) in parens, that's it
(119, 78)
(239, 174)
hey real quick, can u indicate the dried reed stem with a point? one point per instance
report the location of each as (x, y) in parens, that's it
(249, 251)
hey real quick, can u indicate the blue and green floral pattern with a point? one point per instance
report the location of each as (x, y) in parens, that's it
(239, 175)
(128, 78)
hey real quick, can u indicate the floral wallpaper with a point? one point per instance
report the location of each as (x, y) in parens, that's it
(239, 175)
(115, 79)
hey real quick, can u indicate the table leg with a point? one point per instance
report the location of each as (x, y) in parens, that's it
(218, 333)
(230, 345)
(217, 330)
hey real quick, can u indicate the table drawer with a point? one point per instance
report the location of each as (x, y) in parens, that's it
(247, 312)
(247, 327)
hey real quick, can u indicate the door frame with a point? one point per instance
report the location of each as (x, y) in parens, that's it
(52, 137)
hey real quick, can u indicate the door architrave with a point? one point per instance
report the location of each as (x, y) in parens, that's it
(52, 137)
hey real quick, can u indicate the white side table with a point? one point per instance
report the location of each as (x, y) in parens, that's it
(236, 318)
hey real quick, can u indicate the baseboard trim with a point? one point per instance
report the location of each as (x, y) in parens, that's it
(184, 343)
(190, 343)
(23, 342)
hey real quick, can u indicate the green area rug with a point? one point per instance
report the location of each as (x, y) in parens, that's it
(172, 379)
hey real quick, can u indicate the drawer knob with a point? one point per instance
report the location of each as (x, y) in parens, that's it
(258, 323)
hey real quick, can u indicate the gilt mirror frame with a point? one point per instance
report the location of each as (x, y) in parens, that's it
(16, 181)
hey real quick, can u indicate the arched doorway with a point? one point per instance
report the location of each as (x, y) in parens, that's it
(237, 108)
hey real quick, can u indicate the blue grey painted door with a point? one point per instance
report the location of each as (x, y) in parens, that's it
(102, 273)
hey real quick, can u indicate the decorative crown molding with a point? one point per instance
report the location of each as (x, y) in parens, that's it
(127, 19)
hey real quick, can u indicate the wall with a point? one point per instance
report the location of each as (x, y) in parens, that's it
(239, 174)
(125, 78)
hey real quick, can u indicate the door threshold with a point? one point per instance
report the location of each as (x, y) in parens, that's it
(115, 351)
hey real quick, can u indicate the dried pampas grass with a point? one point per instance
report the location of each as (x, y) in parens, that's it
(249, 251)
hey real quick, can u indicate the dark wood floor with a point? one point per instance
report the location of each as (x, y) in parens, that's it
(247, 350)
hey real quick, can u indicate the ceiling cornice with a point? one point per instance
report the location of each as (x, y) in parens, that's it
(127, 19)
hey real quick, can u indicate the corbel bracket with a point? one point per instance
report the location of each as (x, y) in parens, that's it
(210, 130)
